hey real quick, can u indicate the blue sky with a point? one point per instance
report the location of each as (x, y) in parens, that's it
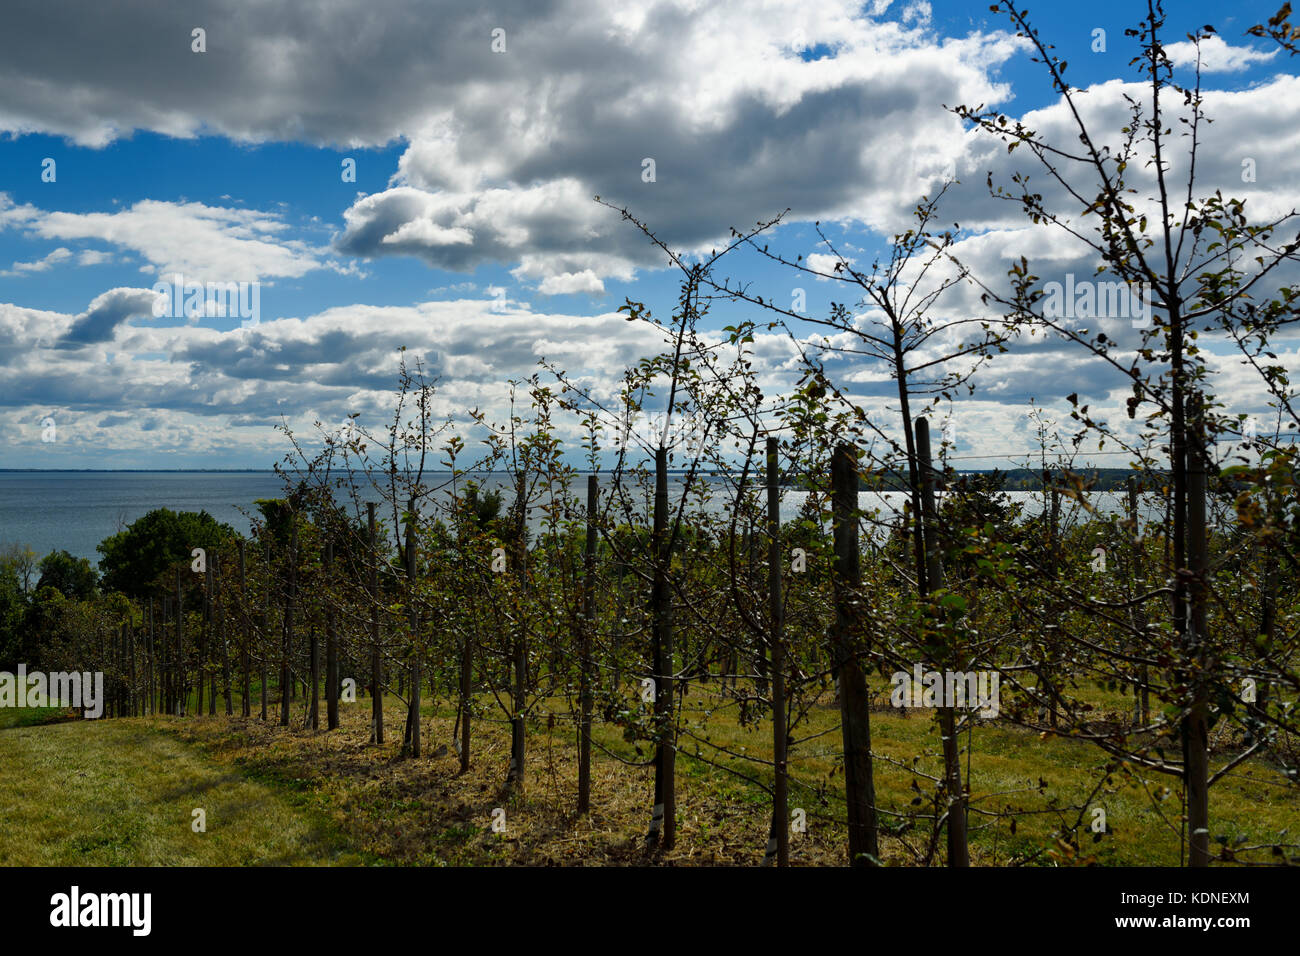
(469, 234)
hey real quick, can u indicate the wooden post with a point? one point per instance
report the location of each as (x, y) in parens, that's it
(413, 719)
(588, 635)
(855, 720)
(376, 664)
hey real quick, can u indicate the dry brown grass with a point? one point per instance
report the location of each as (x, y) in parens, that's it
(424, 812)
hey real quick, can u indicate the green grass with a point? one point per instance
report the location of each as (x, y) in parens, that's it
(119, 793)
(33, 716)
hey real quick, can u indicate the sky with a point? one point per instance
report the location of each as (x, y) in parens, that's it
(381, 175)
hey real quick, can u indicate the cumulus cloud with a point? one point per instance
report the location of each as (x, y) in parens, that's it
(571, 282)
(106, 313)
(824, 262)
(191, 238)
(44, 264)
(732, 132)
(502, 154)
(329, 360)
(1216, 55)
(1249, 151)
(506, 150)
(199, 390)
(87, 257)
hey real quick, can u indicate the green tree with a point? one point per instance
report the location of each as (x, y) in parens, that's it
(133, 559)
(13, 607)
(71, 576)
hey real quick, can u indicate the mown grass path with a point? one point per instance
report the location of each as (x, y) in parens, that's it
(122, 792)
(118, 793)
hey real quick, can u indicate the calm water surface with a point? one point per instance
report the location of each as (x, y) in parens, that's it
(74, 511)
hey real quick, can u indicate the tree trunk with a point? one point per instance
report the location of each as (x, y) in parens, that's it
(1268, 630)
(286, 629)
(663, 819)
(467, 664)
(1053, 552)
(181, 690)
(134, 689)
(264, 632)
(164, 657)
(1196, 723)
(246, 706)
(313, 714)
(515, 778)
(151, 664)
(776, 639)
(1141, 694)
(958, 851)
(205, 628)
(331, 646)
(221, 641)
(747, 543)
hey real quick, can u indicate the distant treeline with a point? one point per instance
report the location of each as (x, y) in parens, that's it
(1013, 479)
(1028, 479)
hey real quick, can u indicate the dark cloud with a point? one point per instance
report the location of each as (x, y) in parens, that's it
(105, 314)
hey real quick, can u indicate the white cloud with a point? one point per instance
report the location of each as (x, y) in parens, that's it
(569, 283)
(199, 241)
(1216, 55)
(87, 257)
(43, 264)
(505, 152)
(825, 263)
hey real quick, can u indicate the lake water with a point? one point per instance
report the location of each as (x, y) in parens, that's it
(74, 511)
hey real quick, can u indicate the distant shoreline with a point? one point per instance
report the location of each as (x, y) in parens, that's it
(139, 471)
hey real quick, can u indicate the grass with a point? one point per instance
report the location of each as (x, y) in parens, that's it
(34, 716)
(120, 791)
